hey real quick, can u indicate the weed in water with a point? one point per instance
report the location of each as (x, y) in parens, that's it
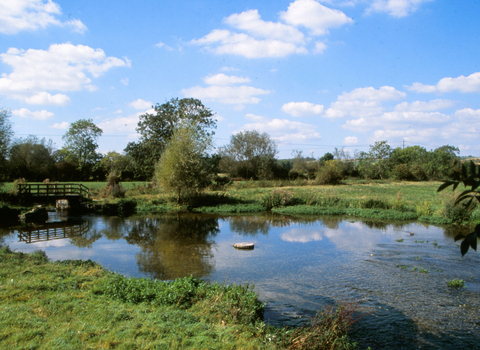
(415, 269)
(423, 270)
(399, 240)
(419, 241)
(328, 329)
(403, 267)
(456, 283)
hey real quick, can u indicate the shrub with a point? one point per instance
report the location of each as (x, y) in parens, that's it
(277, 198)
(424, 209)
(374, 204)
(457, 213)
(331, 173)
(402, 172)
(419, 172)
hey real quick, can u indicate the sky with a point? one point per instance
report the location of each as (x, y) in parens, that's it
(314, 74)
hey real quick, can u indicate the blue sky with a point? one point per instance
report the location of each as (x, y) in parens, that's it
(315, 75)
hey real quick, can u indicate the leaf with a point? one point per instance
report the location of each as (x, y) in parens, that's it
(477, 229)
(472, 240)
(445, 185)
(464, 247)
(459, 237)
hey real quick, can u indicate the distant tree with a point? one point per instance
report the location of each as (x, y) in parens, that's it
(114, 163)
(6, 134)
(325, 157)
(249, 154)
(375, 163)
(81, 145)
(31, 158)
(157, 129)
(183, 167)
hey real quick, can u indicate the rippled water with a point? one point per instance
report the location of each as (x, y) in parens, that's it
(298, 266)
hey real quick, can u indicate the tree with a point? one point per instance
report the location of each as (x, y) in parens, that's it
(183, 167)
(5, 138)
(81, 145)
(248, 153)
(31, 158)
(114, 163)
(157, 129)
(375, 163)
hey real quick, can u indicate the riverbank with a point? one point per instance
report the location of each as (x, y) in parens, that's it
(384, 200)
(79, 304)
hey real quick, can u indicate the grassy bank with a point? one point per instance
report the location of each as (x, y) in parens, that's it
(78, 304)
(365, 199)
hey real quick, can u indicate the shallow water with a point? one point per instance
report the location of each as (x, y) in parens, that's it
(298, 266)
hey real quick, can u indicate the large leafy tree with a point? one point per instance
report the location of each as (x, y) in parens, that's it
(5, 138)
(31, 158)
(81, 145)
(249, 154)
(157, 129)
(183, 167)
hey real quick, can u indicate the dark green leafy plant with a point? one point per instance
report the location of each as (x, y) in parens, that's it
(469, 175)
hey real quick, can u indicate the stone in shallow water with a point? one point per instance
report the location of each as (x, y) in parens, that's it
(244, 245)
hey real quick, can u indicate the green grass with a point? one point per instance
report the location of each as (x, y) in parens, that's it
(79, 305)
(382, 200)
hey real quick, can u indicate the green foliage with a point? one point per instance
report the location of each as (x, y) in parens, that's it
(183, 168)
(456, 283)
(328, 330)
(250, 154)
(157, 129)
(330, 173)
(81, 145)
(424, 209)
(124, 207)
(6, 134)
(402, 172)
(277, 198)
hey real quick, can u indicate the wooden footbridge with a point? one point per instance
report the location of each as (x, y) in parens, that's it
(49, 192)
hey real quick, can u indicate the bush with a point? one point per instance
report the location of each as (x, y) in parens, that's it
(457, 213)
(277, 198)
(424, 209)
(402, 172)
(331, 173)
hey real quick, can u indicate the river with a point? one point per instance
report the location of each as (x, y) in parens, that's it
(396, 272)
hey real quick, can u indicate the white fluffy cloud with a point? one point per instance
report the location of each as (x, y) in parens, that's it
(301, 109)
(282, 129)
(140, 104)
(36, 115)
(44, 98)
(385, 93)
(350, 140)
(61, 126)
(221, 90)
(225, 42)
(251, 22)
(223, 79)
(422, 106)
(396, 8)
(462, 83)
(314, 16)
(63, 67)
(363, 102)
(19, 15)
(255, 38)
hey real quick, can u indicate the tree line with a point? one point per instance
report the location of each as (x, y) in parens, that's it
(176, 144)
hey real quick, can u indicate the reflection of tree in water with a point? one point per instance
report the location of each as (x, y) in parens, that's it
(249, 225)
(453, 230)
(174, 246)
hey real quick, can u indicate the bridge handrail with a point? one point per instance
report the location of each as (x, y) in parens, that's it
(54, 189)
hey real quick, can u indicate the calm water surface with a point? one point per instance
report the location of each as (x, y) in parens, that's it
(298, 266)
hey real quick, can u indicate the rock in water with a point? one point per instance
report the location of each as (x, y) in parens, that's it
(244, 245)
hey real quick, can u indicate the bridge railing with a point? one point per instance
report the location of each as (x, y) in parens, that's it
(54, 190)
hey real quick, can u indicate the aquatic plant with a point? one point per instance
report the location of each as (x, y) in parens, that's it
(456, 283)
